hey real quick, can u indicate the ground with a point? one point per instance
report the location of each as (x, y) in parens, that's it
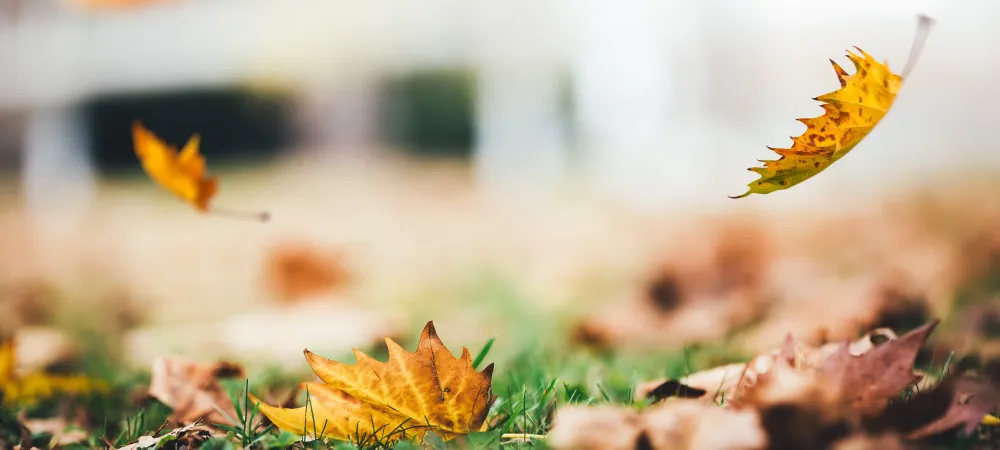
(582, 301)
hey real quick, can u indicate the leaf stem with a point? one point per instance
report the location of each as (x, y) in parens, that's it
(924, 23)
(262, 216)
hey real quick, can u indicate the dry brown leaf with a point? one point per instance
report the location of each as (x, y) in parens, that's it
(872, 379)
(193, 391)
(971, 399)
(723, 383)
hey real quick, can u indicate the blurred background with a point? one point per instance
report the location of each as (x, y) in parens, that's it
(494, 166)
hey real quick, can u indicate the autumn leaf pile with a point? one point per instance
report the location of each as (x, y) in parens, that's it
(841, 395)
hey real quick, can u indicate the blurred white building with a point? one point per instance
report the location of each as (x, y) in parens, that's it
(673, 100)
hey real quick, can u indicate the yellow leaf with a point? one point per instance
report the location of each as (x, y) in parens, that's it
(25, 390)
(183, 173)
(990, 419)
(850, 114)
(410, 394)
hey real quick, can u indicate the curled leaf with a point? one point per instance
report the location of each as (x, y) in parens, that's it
(850, 113)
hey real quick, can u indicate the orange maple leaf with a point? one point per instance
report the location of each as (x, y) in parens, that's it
(181, 173)
(412, 393)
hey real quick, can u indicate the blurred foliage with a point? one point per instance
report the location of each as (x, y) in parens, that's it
(235, 124)
(431, 113)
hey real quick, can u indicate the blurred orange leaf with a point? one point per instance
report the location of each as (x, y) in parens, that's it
(412, 393)
(181, 173)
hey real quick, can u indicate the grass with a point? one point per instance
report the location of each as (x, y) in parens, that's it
(535, 372)
(529, 385)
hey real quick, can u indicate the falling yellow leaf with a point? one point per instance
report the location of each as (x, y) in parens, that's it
(181, 173)
(850, 114)
(412, 393)
(26, 390)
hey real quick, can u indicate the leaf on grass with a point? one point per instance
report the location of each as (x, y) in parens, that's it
(189, 436)
(192, 390)
(28, 389)
(850, 114)
(870, 380)
(971, 401)
(180, 173)
(410, 394)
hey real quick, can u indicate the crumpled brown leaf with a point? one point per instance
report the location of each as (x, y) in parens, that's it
(193, 391)
(723, 382)
(868, 381)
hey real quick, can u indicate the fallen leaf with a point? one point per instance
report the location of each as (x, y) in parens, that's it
(192, 390)
(879, 375)
(412, 393)
(27, 389)
(971, 401)
(181, 173)
(724, 383)
(189, 436)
